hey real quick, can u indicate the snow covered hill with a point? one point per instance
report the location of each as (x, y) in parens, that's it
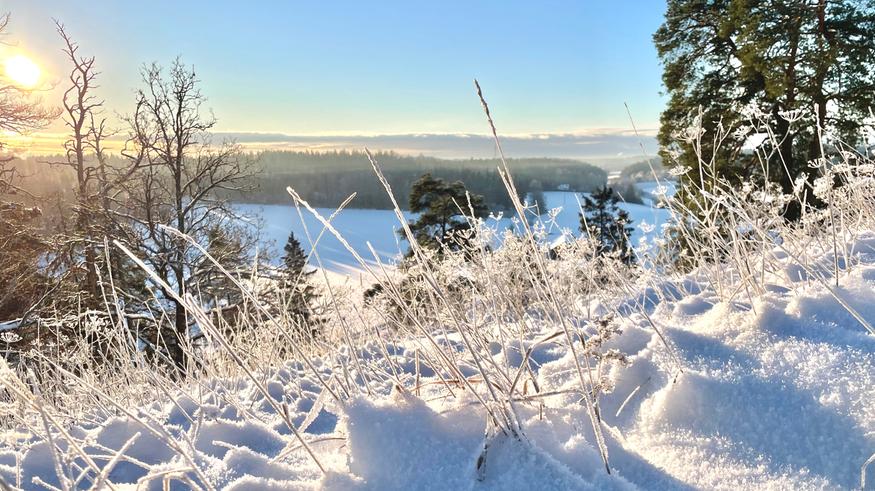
(774, 390)
(379, 227)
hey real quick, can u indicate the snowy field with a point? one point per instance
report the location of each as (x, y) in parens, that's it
(772, 392)
(379, 227)
(757, 372)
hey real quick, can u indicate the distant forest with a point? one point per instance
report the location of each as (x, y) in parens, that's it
(325, 179)
(643, 171)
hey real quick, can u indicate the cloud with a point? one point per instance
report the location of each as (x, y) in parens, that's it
(609, 148)
(596, 146)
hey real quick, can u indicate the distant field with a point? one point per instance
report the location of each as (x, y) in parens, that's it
(378, 227)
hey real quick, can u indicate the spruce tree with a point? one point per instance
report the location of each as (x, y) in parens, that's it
(536, 197)
(604, 220)
(298, 292)
(226, 246)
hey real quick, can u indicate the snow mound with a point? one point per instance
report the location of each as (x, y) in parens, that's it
(770, 391)
(401, 443)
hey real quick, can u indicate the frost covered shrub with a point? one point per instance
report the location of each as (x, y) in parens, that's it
(719, 224)
(497, 277)
(471, 318)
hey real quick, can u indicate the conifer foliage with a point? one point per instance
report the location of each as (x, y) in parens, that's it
(227, 246)
(604, 220)
(299, 295)
(443, 208)
(779, 60)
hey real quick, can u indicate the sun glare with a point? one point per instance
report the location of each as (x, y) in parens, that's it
(22, 71)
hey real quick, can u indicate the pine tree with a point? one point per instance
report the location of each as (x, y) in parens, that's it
(603, 220)
(299, 294)
(777, 56)
(22, 283)
(442, 209)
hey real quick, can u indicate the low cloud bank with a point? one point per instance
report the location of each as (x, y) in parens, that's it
(605, 147)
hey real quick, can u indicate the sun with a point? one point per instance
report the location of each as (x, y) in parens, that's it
(22, 71)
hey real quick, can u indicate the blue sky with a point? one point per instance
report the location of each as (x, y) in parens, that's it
(366, 68)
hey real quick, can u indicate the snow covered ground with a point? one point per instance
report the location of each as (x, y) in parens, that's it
(772, 391)
(379, 227)
(358, 227)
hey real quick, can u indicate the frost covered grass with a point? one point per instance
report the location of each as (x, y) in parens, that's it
(530, 365)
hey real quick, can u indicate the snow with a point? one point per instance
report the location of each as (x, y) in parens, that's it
(10, 325)
(358, 227)
(379, 227)
(775, 391)
(392, 440)
(568, 218)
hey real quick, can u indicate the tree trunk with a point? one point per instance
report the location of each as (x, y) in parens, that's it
(816, 149)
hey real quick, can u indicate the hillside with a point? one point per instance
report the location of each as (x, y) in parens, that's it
(772, 392)
(326, 179)
(756, 372)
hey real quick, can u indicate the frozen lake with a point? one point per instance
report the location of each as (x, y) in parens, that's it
(379, 227)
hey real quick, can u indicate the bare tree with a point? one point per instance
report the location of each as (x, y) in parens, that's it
(180, 172)
(99, 190)
(80, 106)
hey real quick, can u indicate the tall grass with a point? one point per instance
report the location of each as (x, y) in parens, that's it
(453, 308)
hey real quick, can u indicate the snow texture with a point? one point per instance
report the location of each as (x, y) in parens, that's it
(775, 393)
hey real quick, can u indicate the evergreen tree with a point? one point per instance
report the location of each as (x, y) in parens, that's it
(778, 56)
(22, 280)
(442, 209)
(128, 280)
(227, 247)
(603, 220)
(298, 292)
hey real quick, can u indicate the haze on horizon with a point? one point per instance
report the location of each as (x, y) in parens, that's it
(336, 75)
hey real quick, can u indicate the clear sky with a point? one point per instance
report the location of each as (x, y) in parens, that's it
(366, 68)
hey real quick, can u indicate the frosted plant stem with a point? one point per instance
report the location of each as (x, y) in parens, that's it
(504, 172)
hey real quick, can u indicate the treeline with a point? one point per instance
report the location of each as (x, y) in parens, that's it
(327, 178)
(644, 170)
